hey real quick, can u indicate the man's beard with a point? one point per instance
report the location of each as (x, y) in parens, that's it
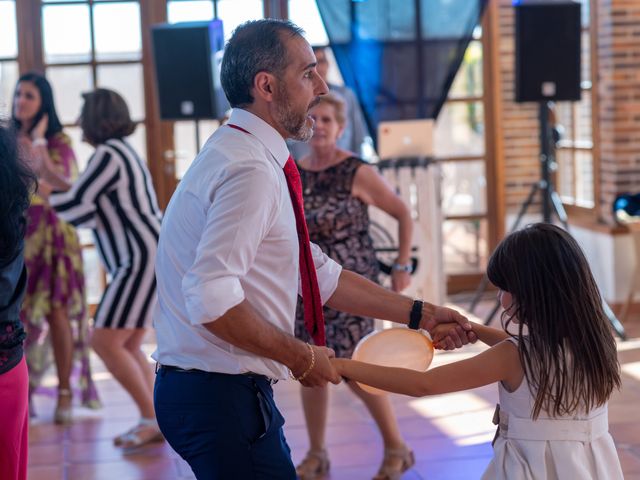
(294, 123)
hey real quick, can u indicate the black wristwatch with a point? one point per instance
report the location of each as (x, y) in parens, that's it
(416, 314)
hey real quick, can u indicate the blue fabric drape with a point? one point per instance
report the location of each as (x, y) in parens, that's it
(400, 57)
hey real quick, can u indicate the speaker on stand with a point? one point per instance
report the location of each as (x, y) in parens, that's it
(547, 69)
(187, 59)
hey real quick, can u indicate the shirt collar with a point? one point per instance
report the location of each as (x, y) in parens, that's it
(264, 132)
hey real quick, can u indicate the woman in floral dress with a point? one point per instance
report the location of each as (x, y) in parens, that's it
(54, 310)
(338, 188)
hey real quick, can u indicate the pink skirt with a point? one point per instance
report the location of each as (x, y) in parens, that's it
(14, 418)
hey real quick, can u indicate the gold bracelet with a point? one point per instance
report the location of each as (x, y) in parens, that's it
(311, 365)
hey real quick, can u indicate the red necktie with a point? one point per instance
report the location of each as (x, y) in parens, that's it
(313, 316)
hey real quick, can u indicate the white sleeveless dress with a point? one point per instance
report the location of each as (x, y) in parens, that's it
(578, 447)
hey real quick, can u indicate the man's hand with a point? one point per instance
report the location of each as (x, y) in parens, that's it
(322, 372)
(457, 327)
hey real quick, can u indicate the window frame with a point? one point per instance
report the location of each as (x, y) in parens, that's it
(577, 212)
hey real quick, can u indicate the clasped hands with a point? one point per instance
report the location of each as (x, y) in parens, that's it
(448, 329)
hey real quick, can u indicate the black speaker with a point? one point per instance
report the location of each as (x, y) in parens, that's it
(547, 50)
(187, 65)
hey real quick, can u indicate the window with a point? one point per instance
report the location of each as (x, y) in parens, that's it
(575, 152)
(460, 143)
(104, 49)
(305, 14)
(8, 55)
(188, 133)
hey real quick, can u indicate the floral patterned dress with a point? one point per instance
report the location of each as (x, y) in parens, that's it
(53, 258)
(338, 223)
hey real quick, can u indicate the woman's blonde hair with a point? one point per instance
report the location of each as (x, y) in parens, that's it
(338, 104)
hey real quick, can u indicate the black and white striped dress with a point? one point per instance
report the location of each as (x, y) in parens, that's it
(115, 197)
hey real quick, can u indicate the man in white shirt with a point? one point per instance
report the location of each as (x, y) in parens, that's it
(228, 271)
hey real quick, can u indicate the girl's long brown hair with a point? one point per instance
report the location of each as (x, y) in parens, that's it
(569, 356)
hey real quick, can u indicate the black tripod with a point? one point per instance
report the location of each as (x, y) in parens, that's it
(550, 202)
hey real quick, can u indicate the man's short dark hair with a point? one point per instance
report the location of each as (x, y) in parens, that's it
(104, 116)
(255, 46)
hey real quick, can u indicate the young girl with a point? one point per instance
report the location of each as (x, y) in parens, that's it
(555, 375)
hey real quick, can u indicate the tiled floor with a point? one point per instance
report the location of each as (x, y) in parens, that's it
(450, 434)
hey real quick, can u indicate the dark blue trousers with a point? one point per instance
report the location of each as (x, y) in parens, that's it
(225, 426)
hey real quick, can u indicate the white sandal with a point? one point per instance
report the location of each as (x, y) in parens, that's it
(314, 465)
(387, 469)
(63, 415)
(147, 431)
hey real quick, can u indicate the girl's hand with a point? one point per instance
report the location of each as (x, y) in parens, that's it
(400, 280)
(449, 329)
(40, 129)
(440, 335)
(338, 363)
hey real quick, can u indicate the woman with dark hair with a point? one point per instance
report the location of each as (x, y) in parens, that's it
(115, 197)
(55, 305)
(15, 189)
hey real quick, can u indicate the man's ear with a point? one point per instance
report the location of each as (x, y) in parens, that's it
(264, 86)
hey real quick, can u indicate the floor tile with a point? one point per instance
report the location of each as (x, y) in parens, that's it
(450, 434)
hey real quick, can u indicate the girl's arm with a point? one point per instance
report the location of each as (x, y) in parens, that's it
(499, 363)
(370, 187)
(487, 335)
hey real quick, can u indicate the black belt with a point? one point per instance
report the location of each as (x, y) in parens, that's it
(171, 368)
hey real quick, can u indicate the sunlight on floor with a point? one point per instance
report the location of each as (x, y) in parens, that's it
(626, 345)
(468, 428)
(631, 369)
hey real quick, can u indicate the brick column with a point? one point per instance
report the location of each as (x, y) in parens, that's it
(520, 129)
(618, 53)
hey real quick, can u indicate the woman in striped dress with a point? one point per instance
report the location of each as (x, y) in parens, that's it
(115, 197)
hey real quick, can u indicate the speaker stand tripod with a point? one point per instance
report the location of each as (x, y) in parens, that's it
(551, 203)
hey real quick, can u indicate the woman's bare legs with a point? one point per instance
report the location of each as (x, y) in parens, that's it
(381, 410)
(133, 345)
(315, 404)
(62, 343)
(119, 349)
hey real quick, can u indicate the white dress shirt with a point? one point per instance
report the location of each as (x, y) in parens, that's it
(228, 235)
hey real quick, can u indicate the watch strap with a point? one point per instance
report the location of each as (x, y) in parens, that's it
(416, 314)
